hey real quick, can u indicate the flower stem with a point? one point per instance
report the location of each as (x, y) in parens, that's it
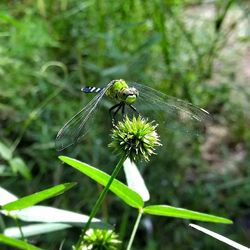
(20, 228)
(100, 199)
(138, 219)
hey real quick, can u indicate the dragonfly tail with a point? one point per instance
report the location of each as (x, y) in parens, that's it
(91, 89)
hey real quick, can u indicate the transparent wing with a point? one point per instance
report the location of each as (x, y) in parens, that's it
(76, 128)
(169, 111)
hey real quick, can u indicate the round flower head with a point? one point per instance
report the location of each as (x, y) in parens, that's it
(137, 138)
(100, 239)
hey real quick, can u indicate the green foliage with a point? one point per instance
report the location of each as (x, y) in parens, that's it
(129, 196)
(98, 239)
(19, 244)
(190, 49)
(220, 237)
(5, 152)
(164, 210)
(16, 164)
(35, 198)
(35, 229)
(53, 219)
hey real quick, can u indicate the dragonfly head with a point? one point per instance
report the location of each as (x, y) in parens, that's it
(122, 92)
(129, 95)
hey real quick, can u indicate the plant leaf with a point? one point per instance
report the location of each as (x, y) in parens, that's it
(48, 214)
(220, 237)
(6, 196)
(5, 152)
(135, 180)
(19, 166)
(129, 196)
(35, 229)
(164, 210)
(17, 243)
(54, 215)
(51, 215)
(35, 198)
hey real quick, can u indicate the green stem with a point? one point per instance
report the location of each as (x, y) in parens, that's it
(218, 29)
(2, 224)
(138, 219)
(32, 116)
(20, 228)
(100, 199)
(159, 18)
(124, 223)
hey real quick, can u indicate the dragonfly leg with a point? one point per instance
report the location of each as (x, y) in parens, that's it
(112, 116)
(112, 108)
(123, 110)
(117, 110)
(134, 109)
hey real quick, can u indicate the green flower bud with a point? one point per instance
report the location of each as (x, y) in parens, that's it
(137, 138)
(97, 239)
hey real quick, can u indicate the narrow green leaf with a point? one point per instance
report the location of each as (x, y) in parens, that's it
(48, 214)
(54, 215)
(35, 229)
(17, 243)
(19, 166)
(35, 198)
(129, 196)
(135, 180)
(220, 237)
(164, 210)
(8, 19)
(5, 170)
(5, 152)
(6, 196)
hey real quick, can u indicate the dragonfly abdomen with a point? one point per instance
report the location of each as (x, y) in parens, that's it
(91, 89)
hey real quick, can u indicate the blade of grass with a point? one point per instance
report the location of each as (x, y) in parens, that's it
(129, 196)
(35, 198)
(35, 229)
(17, 243)
(219, 237)
(164, 210)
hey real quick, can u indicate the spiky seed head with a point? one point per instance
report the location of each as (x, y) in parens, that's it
(136, 137)
(100, 239)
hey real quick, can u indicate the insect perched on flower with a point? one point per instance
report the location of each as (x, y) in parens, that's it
(132, 99)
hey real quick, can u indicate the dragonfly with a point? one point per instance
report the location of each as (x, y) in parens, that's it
(131, 99)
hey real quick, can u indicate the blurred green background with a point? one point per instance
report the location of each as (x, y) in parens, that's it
(195, 50)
